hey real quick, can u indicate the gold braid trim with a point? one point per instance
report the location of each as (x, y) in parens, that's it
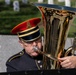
(37, 65)
(19, 54)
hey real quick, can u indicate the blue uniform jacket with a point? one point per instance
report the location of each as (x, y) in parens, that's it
(23, 62)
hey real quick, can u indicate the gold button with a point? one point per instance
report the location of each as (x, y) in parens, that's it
(39, 61)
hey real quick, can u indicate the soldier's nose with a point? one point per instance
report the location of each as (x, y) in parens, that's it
(34, 43)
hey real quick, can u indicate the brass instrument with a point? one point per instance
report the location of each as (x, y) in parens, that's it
(56, 21)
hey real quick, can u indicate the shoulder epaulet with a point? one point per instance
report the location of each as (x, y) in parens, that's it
(16, 55)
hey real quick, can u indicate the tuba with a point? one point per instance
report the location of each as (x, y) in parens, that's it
(56, 23)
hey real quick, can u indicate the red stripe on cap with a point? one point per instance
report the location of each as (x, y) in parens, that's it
(24, 25)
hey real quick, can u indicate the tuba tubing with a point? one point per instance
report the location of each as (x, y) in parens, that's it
(47, 55)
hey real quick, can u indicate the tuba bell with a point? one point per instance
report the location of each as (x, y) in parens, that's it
(56, 23)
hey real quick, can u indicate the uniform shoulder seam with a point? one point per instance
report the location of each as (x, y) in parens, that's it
(16, 55)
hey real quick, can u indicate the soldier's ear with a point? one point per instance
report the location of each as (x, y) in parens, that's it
(21, 43)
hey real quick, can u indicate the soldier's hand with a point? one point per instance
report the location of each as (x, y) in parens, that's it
(68, 62)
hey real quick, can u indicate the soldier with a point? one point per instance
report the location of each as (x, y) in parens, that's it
(29, 37)
(29, 59)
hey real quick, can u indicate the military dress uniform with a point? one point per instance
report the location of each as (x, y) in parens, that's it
(27, 31)
(23, 62)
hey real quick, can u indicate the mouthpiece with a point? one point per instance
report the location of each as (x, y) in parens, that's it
(35, 48)
(47, 55)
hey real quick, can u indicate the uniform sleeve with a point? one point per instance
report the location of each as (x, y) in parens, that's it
(12, 62)
(10, 68)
